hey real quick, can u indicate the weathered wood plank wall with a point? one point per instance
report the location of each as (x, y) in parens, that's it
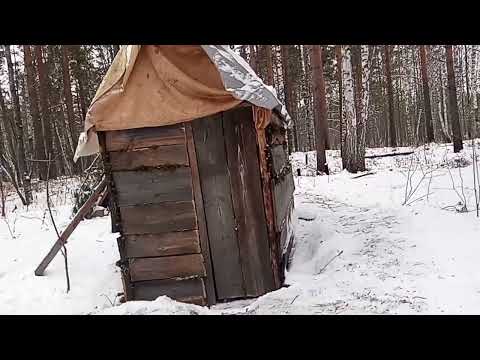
(217, 201)
(246, 189)
(160, 247)
(228, 161)
(188, 201)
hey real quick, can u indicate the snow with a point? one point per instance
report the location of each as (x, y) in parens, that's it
(92, 253)
(417, 258)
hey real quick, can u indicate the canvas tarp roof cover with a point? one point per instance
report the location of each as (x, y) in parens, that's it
(157, 85)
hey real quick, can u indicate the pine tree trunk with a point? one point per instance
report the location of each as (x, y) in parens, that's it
(361, 74)
(6, 130)
(64, 145)
(474, 89)
(426, 94)
(19, 130)
(289, 101)
(45, 110)
(459, 78)
(388, 76)
(39, 145)
(2, 151)
(452, 101)
(243, 52)
(320, 109)
(67, 93)
(269, 72)
(79, 75)
(338, 55)
(468, 118)
(253, 57)
(276, 69)
(308, 97)
(261, 65)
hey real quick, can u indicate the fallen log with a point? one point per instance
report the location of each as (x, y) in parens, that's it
(390, 154)
(79, 216)
(366, 174)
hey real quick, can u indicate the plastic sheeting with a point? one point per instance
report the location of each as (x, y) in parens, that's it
(157, 85)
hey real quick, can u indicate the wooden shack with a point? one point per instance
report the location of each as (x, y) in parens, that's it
(203, 206)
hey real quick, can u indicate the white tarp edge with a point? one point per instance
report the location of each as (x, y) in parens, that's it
(240, 79)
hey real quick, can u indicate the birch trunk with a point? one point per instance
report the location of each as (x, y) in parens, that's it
(350, 144)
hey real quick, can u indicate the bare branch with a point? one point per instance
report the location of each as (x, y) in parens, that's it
(63, 249)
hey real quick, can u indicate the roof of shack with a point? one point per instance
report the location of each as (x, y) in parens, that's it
(158, 85)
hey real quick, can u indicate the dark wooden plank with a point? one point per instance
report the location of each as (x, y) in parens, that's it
(290, 239)
(153, 186)
(277, 120)
(161, 218)
(168, 267)
(154, 245)
(283, 238)
(185, 290)
(260, 116)
(115, 217)
(112, 202)
(217, 202)
(162, 156)
(243, 165)
(200, 212)
(277, 136)
(286, 229)
(131, 139)
(279, 158)
(282, 197)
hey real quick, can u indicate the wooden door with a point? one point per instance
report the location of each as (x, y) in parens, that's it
(227, 157)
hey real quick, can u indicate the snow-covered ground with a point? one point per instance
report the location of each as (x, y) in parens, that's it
(26, 235)
(364, 245)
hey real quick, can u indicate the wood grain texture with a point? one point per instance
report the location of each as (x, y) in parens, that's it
(115, 215)
(131, 139)
(277, 136)
(168, 267)
(217, 201)
(160, 218)
(185, 290)
(166, 244)
(282, 198)
(277, 121)
(284, 188)
(267, 192)
(153, 186)
(161, 156)
(252, 235)
(279, 158)
(201, 219)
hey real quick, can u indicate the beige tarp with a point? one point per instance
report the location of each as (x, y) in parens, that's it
(156, 85)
